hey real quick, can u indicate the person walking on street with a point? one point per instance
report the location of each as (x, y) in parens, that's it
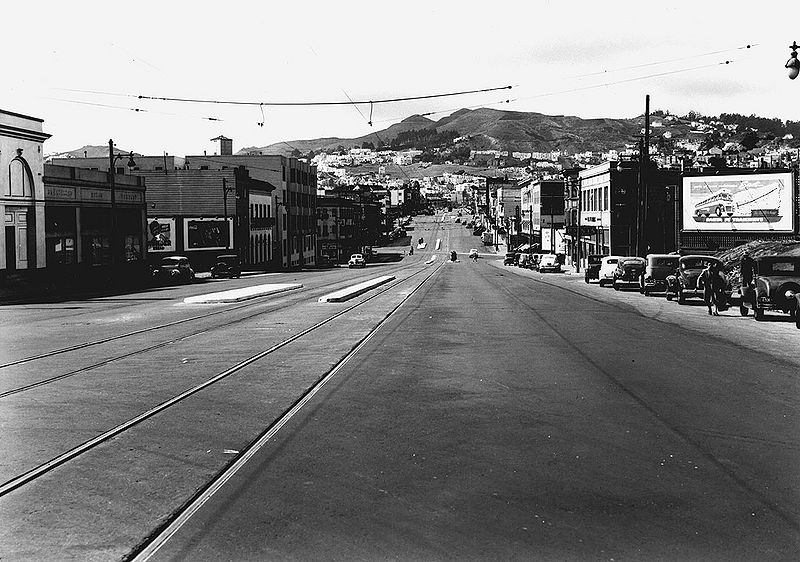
(712, 283)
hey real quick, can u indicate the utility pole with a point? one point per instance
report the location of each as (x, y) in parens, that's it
(641, 200)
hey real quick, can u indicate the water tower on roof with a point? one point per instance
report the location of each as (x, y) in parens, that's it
(225, 145)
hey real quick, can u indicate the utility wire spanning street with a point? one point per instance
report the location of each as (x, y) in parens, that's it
(463, 411)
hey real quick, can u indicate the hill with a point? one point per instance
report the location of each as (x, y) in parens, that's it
(491, 129)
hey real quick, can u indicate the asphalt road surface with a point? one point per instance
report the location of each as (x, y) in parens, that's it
(469, 412)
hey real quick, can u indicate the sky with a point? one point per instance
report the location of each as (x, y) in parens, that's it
(82, 65)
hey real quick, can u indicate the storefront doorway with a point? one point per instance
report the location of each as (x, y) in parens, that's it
(16, 230)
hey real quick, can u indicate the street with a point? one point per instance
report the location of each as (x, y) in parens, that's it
(466, 411)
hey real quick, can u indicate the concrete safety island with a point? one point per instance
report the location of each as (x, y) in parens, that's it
(236, 295)
(355, 290)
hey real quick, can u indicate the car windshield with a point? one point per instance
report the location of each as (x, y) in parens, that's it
(664, 262)
(789, 267)
(632, 261)
(594, 260)
(170, 261)
(611, 261)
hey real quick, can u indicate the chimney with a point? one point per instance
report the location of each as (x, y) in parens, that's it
(225, 145)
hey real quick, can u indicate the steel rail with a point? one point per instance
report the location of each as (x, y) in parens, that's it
(66, 456)
(233, 308)
(153, 544)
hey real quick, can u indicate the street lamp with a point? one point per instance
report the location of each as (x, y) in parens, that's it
(112, 159)
(793, 64)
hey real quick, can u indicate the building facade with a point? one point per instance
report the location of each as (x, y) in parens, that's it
(205, 213)
(293, 200)
(22, 239)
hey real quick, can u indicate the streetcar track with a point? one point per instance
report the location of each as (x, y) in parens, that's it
(44, 382)
(676, 429)
(153, 543)
(36, 472)
(219, 311)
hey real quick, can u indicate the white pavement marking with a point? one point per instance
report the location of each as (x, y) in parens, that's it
(355, 290)
(438, 243)
(236, 295)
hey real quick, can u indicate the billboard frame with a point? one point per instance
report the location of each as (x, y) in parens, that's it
(723, 218)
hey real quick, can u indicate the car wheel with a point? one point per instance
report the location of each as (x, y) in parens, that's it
(743, 310)
(586, 277)
(681, 297)
(758, 312)
(601, 283)
(615, 283)
(668, 295)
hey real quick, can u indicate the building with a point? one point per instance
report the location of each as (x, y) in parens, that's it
(617, 217)
(205, 213)
(92, 226)
(542, 213)
(293, 199)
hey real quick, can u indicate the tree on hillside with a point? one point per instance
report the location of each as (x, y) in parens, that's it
(367, 144)
(749, 140)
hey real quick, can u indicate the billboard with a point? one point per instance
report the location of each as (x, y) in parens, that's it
(160, 235)
(207, 234)
(739, 203)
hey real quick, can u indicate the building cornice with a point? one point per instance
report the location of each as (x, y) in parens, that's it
(23, 134)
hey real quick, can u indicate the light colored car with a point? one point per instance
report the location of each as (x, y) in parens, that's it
(607, 266)
(549, 262)
(357, 260)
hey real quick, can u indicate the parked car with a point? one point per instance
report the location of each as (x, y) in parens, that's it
(607, 266)
(775, 286)
(682, 284)
(628, 272)
(174, 269)
(549, 262)
(524, 260)
(593, 262)
(656, 270)
(227, 265)
(510, 259)
(357, 260)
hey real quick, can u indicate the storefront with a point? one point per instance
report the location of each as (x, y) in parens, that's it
(82, 223)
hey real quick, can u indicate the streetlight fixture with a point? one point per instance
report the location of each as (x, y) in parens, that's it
(793, 65)
(112, 159)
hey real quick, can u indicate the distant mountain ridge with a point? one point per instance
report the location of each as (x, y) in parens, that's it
(492, 129)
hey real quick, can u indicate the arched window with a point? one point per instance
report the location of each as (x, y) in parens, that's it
(20, 178)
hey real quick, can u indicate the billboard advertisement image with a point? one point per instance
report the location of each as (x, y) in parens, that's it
(161, 235)
(739, 203)
(207, 233)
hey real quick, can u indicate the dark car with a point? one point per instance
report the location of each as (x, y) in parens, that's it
(628, 272)
(656, 271)
(682, 284)
(174, 269)
(775, 286)
(227, 265)
(510, 259)
(593, 262)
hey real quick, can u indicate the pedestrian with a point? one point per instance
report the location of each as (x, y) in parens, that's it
(713, 286)
(747, 265)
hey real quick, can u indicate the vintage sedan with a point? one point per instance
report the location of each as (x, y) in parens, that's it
(607, 266)
(775, 286)
(682, 284)
(628, 272)
(357, 260)
(228, 265)
(549, 262)
(593, 262)
(656, 270)
(174, 269)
